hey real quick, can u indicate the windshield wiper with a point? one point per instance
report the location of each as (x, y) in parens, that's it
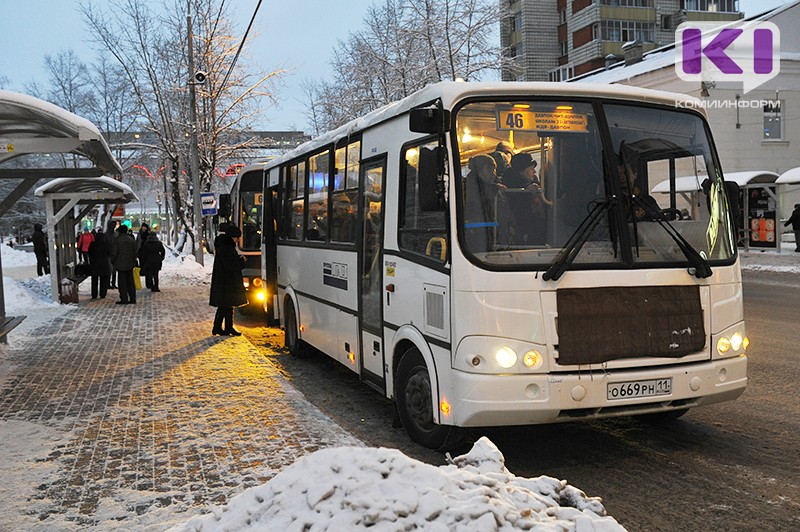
(696, 261)
(578, 239)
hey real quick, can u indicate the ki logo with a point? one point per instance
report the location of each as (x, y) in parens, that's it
(745, 52)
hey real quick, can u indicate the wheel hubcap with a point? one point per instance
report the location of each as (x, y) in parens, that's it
(418, 400)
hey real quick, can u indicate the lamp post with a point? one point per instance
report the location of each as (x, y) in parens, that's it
(197, 78)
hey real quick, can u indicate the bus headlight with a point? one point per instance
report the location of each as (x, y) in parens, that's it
(723, 345)
(736, 341)
(533, 359)
(505, 357)
(257, 282)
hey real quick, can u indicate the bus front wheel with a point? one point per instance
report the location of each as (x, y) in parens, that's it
(291, 334)
(414, 398)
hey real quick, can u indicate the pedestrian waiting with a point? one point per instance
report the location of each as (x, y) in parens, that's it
(123, 256)
(99, 253)
(227, 287)
(39, 240)
(151, 258)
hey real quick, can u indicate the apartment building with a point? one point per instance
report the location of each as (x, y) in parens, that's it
(554, 40)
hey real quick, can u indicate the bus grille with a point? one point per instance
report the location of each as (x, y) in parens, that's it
(597, 325)
(434, 307)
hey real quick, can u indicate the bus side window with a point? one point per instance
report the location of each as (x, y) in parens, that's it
(422, 232)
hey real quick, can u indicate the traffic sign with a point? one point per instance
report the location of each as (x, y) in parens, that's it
(208, 202)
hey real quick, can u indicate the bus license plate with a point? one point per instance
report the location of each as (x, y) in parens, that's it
(634, 389)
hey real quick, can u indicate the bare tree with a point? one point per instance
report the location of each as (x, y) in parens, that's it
(150, 46)
(68, 83)
(404, 46)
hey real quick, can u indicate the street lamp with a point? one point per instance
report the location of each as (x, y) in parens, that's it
(198, 78)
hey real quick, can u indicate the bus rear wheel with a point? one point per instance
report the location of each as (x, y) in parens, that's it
(414, 398)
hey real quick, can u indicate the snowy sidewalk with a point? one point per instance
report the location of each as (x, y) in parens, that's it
(129, 416)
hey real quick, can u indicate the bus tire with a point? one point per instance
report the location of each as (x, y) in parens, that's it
(291, 334)
(413, 396)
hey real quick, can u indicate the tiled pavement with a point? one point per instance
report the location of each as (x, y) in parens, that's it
(142, 419)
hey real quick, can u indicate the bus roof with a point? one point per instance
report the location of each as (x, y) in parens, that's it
(451, 92)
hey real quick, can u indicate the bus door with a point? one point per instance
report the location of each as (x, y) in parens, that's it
(269, 262)
(371, 271)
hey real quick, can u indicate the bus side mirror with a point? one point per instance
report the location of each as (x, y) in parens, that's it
(224, 207)
(431, 187)
(732, 191)
(429, 120)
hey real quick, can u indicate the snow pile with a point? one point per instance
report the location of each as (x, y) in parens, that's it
(347, 488)
(23, 296)
(184, 270)
(13, 258)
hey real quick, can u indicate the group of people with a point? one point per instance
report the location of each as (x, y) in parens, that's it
(111, 258)
(502, 193)
(113, 255)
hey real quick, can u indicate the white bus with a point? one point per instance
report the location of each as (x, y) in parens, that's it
(479, 301)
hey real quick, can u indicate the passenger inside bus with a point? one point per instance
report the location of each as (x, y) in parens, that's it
(483, 203)
(524, 198)
(343, 222)
(642, 206)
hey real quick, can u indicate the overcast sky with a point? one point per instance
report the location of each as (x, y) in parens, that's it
(297, 35)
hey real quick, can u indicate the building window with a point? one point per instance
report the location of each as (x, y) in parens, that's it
(515, 22)
(627, 31)
(562, 73)
(773, 123)
(714, 6)
(564, 47)
(627, 3)
(562, 16)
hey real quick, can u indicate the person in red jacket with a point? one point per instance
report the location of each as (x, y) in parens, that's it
(85, 240)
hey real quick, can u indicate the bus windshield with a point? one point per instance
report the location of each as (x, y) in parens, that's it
(535, 176)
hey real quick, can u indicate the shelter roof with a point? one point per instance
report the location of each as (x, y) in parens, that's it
(29, 125)
(789, 177)
(91, 188)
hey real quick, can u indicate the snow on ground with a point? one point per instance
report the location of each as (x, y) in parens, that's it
(353, 488)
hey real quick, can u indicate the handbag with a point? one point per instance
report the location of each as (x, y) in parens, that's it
(137, 279)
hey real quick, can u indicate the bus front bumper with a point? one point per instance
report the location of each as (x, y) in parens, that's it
(496, 400)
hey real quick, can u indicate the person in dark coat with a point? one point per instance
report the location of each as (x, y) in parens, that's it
(227, 287)
(123, 256)
(110, 237)
(794, 221)
(40, 250)
(99, 254)
(151, 257)
(484, 204)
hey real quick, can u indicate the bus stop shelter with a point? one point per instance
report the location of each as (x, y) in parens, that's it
(758, 203)
(62, 196)
(39, 140)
